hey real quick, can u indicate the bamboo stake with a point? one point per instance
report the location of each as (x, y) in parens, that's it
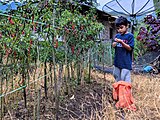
(82, 68)
(72, 71)
(55, 87)
(38, 104)
(35, 85)
(89, 67)
(54, 68)
(50, 69)
(1, 99)
(78, 72)
(68, 79)
(45, 79)
(103, 60)
(65, 69)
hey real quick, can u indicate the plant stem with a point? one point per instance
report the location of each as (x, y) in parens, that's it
(45, 79)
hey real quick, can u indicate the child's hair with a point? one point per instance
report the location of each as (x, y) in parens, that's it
(121, 21)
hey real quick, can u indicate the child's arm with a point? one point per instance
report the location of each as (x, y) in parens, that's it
(123, 44)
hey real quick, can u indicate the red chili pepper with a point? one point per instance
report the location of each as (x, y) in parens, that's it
(56, 44)
(0, 35)
(34, 28)
(138, 37)
(22, 81)
(29, 49)
(11, 21)
(23, 32)
(7, 54)
(5, 46)
(30, 42)
(72, 49)
(8, 51)
(13, 35)
(32, 18)
(15, 54)
(74, 32)
(73, 26)
(66, 30)
(9, 17)
(82, 27)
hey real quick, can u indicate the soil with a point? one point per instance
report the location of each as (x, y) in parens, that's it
(85, 102)
(88, 102)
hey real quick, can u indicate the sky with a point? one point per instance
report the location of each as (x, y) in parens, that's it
(102, 3)
(10, 6)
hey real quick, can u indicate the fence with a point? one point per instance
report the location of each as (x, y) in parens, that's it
(102, 53)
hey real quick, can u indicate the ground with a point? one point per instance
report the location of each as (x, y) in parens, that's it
(94, 101)
(147, 58)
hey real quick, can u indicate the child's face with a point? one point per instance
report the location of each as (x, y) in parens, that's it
(122, 29)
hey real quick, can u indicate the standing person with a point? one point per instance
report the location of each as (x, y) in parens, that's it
(124, 45)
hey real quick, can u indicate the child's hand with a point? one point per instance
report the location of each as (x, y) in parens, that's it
(114, 44)
(118, 40)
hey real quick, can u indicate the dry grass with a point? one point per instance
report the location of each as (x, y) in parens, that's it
(145, 89)
(146, 92)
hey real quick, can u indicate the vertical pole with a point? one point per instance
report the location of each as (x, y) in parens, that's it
(38, 104)
(54, 65)
(89, 69)
(132, 31)
(1, 99)
(66, 64)
(45, 79)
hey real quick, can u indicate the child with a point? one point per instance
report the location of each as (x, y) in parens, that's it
(123, 44)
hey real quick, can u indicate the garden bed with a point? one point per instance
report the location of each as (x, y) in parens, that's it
(94, 101)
